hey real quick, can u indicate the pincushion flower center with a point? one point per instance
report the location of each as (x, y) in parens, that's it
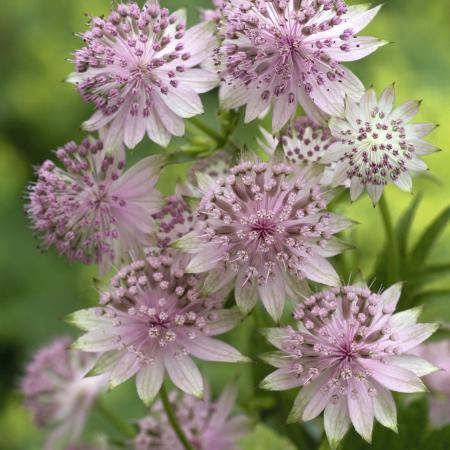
(263, 228)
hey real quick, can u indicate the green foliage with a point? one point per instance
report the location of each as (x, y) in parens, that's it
(264, 438)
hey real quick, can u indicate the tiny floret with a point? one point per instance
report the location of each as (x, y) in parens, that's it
(347, 351)
(376, 144)
(138, 68)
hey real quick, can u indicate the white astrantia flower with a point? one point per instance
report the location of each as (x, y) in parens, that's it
(377, 145)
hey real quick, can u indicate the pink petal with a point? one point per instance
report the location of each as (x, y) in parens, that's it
(125, 368)
(280, 380)
(336, 421)
(384, 408)
(273, 295)
(406, 111)
(358, 48)
(210, 349)
(387, 99)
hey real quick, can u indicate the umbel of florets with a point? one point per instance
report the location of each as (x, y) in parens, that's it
(137, 68)
(153, 318)
(265, 228)
(347, 351)
(92, 210)
(287, 52)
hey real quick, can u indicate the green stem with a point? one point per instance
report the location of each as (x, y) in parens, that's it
(121, 425)
(390, 239)
(173, 419)
(213, 134)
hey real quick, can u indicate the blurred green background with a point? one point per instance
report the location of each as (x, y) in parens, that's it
(38, 112)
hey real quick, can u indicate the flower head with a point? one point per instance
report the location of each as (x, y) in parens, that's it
(93, 211)
(438, 383)
(138, 68)
(347, 352)
(265, 228)
(57, 392)
(376, 144)
(289, 52)
(152, 318)
(206, 424)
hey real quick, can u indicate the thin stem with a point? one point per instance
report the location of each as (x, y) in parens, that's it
(213, 134)
(121, 425)
(173, 419)
(390, 238)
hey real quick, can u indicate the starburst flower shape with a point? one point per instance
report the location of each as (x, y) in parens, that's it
(265, 228)
(138, 68)
(57, 392)
(152, 318)
(289, 52)
(376, 144)
(347, 351)
(92, 210)
(438, 383)
(206, 424)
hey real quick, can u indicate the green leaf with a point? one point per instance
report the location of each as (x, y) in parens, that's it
(429, 237)
(438, 439)
(264, 438)
(404, 225)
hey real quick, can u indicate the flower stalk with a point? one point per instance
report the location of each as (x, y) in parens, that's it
(173, 419)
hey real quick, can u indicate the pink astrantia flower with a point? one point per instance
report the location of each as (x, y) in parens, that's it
(347, 351)
(265, 229)
(438, 383)
(377, 145)
(91, 210)
(138, 68)
(152, 319)
(57, 392)
(206, 424)
(288, 52)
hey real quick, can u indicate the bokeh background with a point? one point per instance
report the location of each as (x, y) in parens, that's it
(38, 112)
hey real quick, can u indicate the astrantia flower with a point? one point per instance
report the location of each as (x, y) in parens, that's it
(138, 69)
(377, 145)
(288, 52)
(205, 423)
(438, 383)
(267, 230)
(173, 220)
(91, 210)
(303, 143)
(347, 352)
(153, 319)
(57, 392)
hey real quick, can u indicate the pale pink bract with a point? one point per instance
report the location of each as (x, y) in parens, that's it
(347, 351)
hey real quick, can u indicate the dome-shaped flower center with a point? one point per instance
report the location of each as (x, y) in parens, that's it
(263, 228)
